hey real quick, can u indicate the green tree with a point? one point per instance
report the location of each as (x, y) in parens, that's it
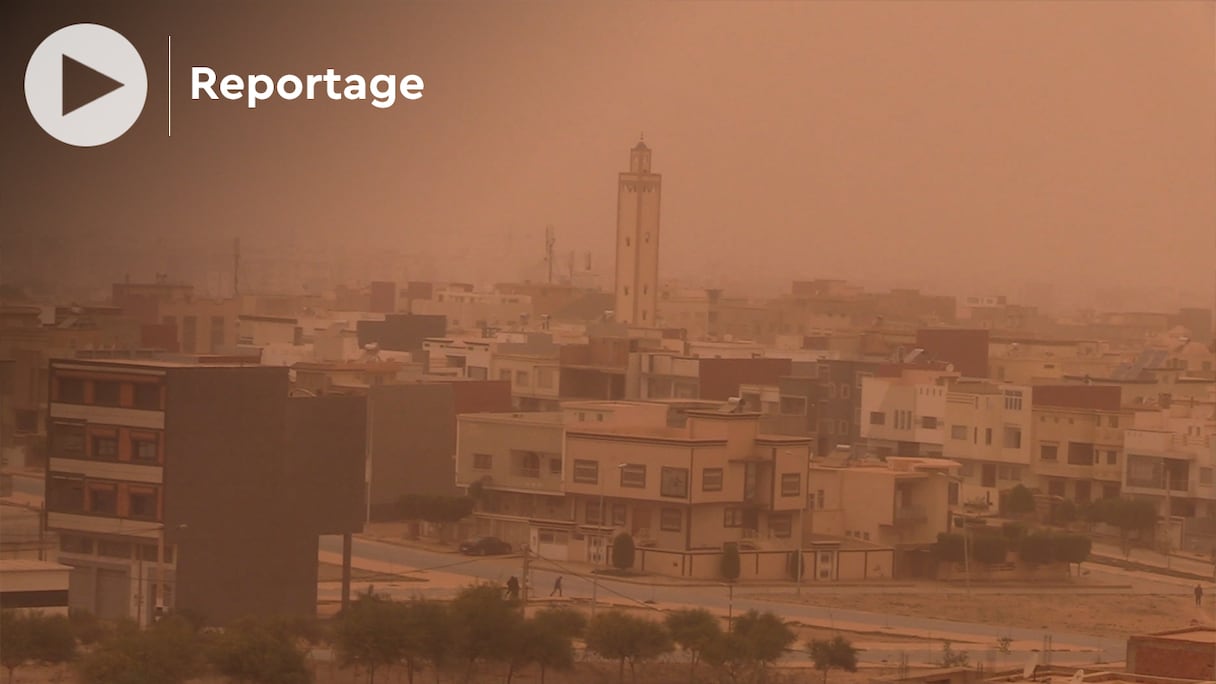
(261, 652)
(696, 631)
(988, 548)
(552, 632)
(166, 653)
(1073, 548)
(622, 551)
(730, 561)
(1037, 548)
(613, 635)
(755, 641)
(483, 624)
(87, 627)
(427, 636)
(836, 653)
(27, 637)
(950, 547)
(370, 634)
(1129, 515)
(1020, 501)
(1064, 512)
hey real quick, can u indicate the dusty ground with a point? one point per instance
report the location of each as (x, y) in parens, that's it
(1107, 615)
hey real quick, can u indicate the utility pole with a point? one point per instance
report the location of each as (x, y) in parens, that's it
(550, 241)
(967, 552)
(523, 604)
(42, 530)
(347, 542)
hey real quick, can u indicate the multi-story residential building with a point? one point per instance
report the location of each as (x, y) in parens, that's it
(988, 432)
(903, 411)
(837, 407)
(1171, 455)
(681, 477)
(668, 375)
(901, 503)
(1077, 448)
(197, 486)
(473, 312)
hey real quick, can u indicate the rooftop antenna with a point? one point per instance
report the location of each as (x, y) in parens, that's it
(236, 266)
(550, 241)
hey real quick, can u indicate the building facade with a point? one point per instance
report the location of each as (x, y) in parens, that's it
(637, 241)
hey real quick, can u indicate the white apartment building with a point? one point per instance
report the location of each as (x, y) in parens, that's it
(988, 432)
(905, 415)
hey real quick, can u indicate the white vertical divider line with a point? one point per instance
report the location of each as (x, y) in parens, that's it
(169, 80)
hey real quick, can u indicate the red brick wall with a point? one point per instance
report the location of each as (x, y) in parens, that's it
(1170, 658)
(966, 349)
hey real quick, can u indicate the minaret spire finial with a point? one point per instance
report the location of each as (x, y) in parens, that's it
(643, 136)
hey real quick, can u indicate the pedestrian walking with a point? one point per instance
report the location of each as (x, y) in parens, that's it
(557, 586)
(1198, 595)
(513, 588)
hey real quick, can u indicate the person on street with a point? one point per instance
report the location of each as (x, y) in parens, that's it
(513, 588)
(557, 586)
(1198, 595)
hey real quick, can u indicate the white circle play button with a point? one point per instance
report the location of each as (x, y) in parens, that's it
(86, 85)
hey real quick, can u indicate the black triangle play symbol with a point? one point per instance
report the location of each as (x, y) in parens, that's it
(83, 84)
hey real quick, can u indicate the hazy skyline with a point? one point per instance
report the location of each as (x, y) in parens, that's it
(970, 146)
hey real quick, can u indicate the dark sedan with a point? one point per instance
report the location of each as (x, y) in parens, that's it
(485, 546)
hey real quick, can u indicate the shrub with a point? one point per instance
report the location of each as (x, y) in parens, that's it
(622, 551)
(730, 561)
(1037, 549)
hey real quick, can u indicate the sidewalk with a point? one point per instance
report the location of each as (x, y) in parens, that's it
(1184, 566)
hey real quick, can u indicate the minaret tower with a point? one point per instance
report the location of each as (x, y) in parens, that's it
(637, 240)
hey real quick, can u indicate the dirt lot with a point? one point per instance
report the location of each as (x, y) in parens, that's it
(1107, 615)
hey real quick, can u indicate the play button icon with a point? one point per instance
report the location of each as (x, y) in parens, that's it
(82, 85)
(85, 85)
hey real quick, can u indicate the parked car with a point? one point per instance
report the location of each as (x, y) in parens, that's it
(485, 546)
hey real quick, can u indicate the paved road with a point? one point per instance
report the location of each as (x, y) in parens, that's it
(1082, 649)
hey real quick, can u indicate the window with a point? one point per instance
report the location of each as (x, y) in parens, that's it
(618, 515)
(1013, 438)
(671, 519)
(483, 461)
(779, 524)
(928, 422)
(958, 432)
(26, 420)
(102, 499)
(711, 480)
(1112, 458)
(732, 517)
(189, 334)
(591, 514)
(67, 440)
(1049, 452)
(1114, 421)
(147, 396)
(528, 464)
(586, 472)
(74, 543)
(105, 448)
(113, 549)
(65, 494)
(217, 333)
(504, 375)
(1013, 400)
(674, 482)
(793, 406)
(71, 390)
(555, 466)
(633, 476)
(1205, 476)
(877, 418)
(987, 435)
(144, 451)
(141, 504)
(545, 378)
(1080, 453)
(791, 484)
(521, 378)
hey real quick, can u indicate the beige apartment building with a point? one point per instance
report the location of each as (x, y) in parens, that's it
(903, 413)
(1077, 451)
(988, 432)
(900, 503)
(682, 478)
(1171, 453)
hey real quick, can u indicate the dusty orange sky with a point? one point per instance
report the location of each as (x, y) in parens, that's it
(959, 146)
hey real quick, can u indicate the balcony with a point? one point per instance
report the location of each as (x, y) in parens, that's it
(911, 515)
